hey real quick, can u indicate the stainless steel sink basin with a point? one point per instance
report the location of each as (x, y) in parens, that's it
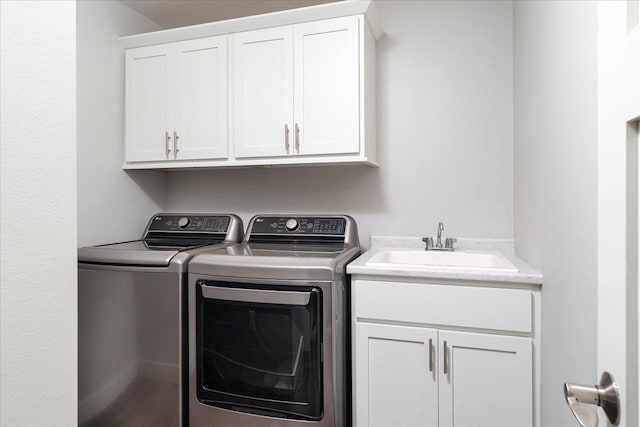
(443, 260)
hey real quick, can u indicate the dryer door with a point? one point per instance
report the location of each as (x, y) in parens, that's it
(259, 348)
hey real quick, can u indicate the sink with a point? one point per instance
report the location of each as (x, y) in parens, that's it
(486, 261)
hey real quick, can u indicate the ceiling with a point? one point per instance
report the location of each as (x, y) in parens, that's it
(181, 13)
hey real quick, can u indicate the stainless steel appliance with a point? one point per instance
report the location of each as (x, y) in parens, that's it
(269, 325)
(132, 338)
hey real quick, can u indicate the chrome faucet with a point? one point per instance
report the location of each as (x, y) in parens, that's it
(439, 238)
(448, 242)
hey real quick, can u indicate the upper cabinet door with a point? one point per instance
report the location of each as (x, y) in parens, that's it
(263, 93)
(488, 380)
(327, 82)
(201, 99)
(149, 103)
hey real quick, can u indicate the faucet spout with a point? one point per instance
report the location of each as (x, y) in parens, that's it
(448, 243)
(439, 237)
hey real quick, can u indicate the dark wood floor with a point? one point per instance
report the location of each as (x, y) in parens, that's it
(146, 403)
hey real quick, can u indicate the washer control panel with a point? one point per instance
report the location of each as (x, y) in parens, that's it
(189, 223)
(306, 225)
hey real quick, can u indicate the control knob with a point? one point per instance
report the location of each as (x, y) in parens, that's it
(183, 222)
(292, 224)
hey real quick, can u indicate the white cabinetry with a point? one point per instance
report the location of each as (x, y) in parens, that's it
(148, 103)
(411, 368)
(201, 86)
(396, 376)
(263, 80)
(327, 87)
(295, 87)
(488, 380)
(297, 90)
(176, 101)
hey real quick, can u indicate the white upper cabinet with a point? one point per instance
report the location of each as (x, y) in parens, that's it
(296, 90)
(287, 88)
(149, 103)
(201, 99)
(176, 101)
(263, 80)
(327, 86)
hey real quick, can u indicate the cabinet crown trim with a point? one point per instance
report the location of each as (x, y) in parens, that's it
(267, 20)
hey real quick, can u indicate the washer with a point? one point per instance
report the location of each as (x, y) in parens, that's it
(132, 320)
(269, 339)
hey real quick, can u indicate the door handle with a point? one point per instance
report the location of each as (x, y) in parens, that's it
(286, 137)
(582, 398)
(297, 136)
(256, 295)
(175, 144)
(444, 357)
(167, 138)
(430, 355)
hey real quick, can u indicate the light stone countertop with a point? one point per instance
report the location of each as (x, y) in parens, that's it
(525, 274)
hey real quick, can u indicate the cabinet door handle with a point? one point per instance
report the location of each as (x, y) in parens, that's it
(445, 362)
(286, 137)
(430, 355)
(175, 144)
(167, 138)
(297, 139)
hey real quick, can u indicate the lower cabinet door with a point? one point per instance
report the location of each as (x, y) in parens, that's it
(488, 380)
(396, 376)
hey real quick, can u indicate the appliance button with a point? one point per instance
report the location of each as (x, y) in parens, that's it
(183, 222)
(292, 224)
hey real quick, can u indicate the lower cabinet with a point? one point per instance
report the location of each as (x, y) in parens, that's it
(484, 380)
(412, 376)
(428, 353)
(396, 376)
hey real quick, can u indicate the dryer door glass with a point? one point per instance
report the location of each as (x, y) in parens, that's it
(260, 349)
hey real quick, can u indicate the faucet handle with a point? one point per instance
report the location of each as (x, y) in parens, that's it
(429, 242)
(449, 241)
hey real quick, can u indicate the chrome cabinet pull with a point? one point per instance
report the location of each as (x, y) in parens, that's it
(175, 144)
(430, 355)
(297, 139)
(167, 138)
(286, 137)
(444, 354)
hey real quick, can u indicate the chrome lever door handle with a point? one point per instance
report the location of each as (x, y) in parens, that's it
(167, 138)
(604, 395)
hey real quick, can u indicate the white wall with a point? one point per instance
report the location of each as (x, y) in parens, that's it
(38, 214)
(113, 205)
(555, 187)
(445, 128)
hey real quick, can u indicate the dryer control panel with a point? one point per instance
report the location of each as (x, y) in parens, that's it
(305, 225)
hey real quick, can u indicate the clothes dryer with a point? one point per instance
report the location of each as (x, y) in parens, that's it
(269, 325)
